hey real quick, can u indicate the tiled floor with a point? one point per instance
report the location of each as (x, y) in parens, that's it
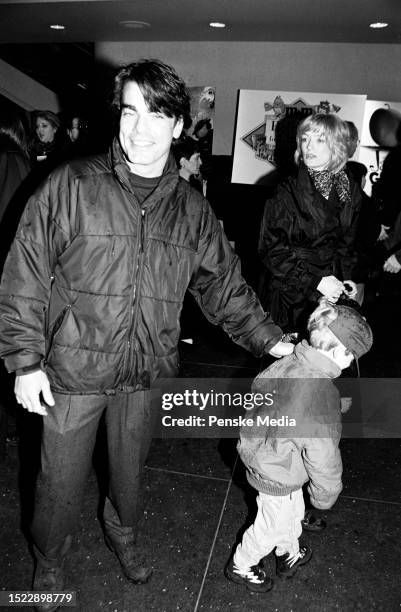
(197, 502)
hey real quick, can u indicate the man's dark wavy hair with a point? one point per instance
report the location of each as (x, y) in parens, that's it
(163, 90)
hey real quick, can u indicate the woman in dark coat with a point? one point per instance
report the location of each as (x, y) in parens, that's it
(47, 139)
(14, 157)
(308, 229)
(47, 146)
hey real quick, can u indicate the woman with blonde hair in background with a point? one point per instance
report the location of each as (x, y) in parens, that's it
(308, 229)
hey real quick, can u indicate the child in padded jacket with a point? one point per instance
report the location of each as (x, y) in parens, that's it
(295, 440)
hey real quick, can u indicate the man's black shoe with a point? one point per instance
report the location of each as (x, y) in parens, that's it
(50, 579)
(287, 565)
(255, 578)
(134, 568)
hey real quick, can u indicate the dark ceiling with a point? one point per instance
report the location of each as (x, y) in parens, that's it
(64, 68)
(62, 62)
(255, 20)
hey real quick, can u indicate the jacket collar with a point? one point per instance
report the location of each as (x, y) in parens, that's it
(305, 186)
(316, 360)
(168, 181)
(308, 199)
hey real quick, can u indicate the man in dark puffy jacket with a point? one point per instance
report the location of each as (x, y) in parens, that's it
(90, 303)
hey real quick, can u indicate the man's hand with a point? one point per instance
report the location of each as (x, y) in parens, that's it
(281, 349)
(27, 391)
(331, 288)
(392, 265)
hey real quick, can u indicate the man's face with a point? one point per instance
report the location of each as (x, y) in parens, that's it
(73, 132)
(145, 137)
(192, 164)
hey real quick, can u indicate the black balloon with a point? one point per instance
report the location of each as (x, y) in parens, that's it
(385, 127)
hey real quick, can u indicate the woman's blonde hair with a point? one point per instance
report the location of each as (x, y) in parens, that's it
(336, 133)
(320, 336)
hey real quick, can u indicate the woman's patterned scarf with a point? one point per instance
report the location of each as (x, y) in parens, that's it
(325, 179)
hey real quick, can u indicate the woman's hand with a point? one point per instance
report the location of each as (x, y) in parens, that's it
(331, 288)
(392, 265)
(383, 232)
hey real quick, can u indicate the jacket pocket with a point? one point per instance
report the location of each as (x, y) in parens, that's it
(58, 324)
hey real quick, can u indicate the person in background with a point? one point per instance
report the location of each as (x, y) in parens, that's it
(46, 134)
(48, 146)
(387, 190)
(188, 160)
(14, 157)
(392, 245)
(90, 302)
(77, 131)
(369, 227)
(14, 168)
(76, 126)
(308, 230)
(355, 168)
(203, 134)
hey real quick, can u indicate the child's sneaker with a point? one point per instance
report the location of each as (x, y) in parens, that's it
(287, 565)
(255, 578)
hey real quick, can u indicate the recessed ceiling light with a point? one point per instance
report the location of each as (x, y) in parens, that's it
(134, 24)
(57, 26)
(217, 24)
(378, 24)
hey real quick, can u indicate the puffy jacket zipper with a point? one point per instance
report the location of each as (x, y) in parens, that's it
(131, 344)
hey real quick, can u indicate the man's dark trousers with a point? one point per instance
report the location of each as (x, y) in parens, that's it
(69, 435)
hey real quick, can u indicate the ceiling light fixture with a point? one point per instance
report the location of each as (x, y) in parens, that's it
(57, 26)
(135, 25)
(378, 25)
(217, 24)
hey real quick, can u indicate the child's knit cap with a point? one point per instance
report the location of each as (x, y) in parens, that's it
(353, 331)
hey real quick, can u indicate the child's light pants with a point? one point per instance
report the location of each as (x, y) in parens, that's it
(277, 525)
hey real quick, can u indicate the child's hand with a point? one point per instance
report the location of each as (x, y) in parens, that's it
(346, 403)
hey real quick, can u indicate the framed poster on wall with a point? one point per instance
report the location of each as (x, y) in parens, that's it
(259, 115)
(202, 115)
